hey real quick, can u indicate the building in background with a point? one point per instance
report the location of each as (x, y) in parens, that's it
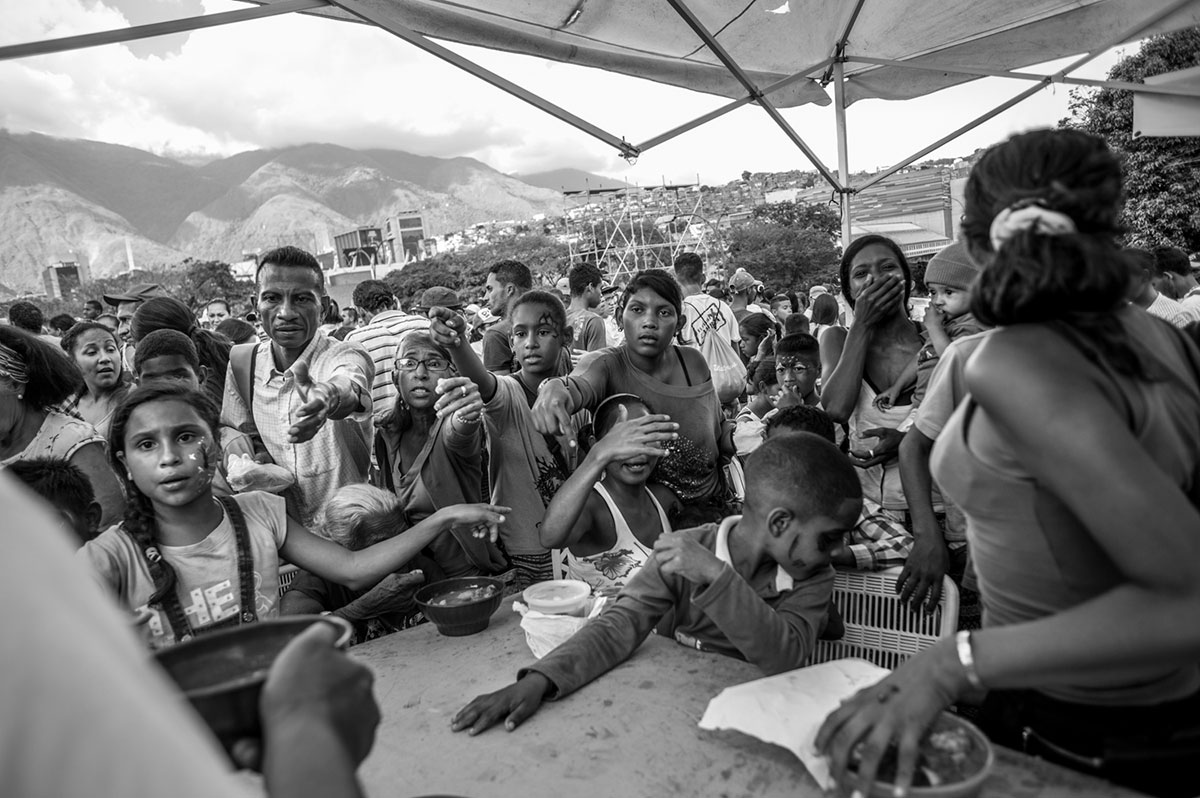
(920, 209)
(64, 277)
(359, 248)
(403, 238)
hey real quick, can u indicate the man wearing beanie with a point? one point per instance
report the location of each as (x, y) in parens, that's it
(948, 277)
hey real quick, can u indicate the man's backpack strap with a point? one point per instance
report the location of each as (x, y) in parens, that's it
(243, 360)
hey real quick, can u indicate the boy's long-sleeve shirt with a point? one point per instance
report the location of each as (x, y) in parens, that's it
(765, 617)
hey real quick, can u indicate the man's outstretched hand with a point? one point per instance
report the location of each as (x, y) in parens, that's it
(320, 399)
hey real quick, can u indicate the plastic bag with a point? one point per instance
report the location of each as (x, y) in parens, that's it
(544, 633)
(728, 371)
(244, 474)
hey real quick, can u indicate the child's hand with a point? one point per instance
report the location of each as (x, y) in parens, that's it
(885, 400)
(481, 520)
(514, 703)
(460, 397)
(934, 319)
(680, 553)
(551, 412)
(787, 398)
(766, 347)
(447, 328)
(627, 439)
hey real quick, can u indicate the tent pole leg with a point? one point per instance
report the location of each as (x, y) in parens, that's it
(843, 149)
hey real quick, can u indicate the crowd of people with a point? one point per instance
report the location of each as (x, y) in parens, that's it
(703, 451)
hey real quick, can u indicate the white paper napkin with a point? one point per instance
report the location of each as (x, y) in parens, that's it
(788, 709)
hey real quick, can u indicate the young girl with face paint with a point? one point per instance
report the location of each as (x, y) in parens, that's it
(186, 562)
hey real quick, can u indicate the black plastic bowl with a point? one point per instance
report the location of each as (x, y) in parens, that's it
(222, 673)
(456, 620)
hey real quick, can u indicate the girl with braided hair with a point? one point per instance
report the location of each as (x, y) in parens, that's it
(188, 562)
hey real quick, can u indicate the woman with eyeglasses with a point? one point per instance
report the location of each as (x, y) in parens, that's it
(431, 459)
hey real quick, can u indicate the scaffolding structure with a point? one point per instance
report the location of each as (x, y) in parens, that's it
(626, 230)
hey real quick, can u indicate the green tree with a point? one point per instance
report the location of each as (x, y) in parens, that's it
(1162, 175)
(206, 280)
(783, 256)
(408, 283)
(546, 258)
(800, 214)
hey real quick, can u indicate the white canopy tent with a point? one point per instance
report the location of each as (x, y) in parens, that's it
(772, 53)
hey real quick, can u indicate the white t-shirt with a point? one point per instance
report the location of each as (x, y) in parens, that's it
(85, 713)
(706, 314)
(207, 571)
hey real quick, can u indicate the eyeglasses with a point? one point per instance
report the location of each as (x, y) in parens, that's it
(430, 364)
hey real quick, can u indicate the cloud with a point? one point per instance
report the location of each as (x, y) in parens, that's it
(296, 79)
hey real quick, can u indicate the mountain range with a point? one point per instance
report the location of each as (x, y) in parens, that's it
(66, 199)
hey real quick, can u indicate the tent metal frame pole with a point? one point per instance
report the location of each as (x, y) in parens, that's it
(740, 75)
(999, 73)
(839, 48)
(136, 32)
(1131, 33)
(843, 147)
(733, 106)
(400, 30)
(974, 123)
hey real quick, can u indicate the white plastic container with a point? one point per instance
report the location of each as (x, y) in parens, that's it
(558, 597)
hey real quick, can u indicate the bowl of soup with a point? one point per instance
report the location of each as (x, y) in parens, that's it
(222, 673)
(558, 597)
(953, 761)
(462, 605)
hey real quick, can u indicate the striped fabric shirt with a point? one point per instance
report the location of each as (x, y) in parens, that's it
(1166, 308)
(381, 338)
(340, 453)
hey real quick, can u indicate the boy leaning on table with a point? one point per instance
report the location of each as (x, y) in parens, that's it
(759, 586)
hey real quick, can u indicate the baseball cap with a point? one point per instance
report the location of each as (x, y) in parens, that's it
(816, 290)
(609, 288)
(741, 281)
(438, 297)
(137, 293)
(483, 317)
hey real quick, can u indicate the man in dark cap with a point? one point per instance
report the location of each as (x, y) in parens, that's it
(128, 303)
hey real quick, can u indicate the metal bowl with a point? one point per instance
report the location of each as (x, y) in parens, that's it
(459, 618)
(222, 673)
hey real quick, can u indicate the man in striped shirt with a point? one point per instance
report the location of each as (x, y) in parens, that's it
(381, 336)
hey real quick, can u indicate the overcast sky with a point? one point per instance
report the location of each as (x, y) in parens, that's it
(294, 79)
